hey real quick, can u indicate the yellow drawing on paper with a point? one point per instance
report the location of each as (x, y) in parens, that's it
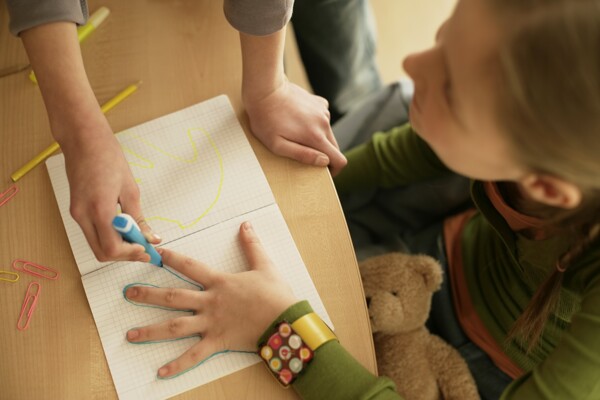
(146, 163)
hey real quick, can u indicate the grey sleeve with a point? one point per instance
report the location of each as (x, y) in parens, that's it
(258, 17)
(25, 14)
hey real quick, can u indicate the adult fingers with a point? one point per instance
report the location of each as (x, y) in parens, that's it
(322, 153)
(331, 138)
(180, 299)
(175, 328)
(253, 248)
(326, 111)
(130, 204)
(106, 243)
(301, 153)
(147, 231)
(113, 246)
(337, 160)
(91, 236)
(189, 267)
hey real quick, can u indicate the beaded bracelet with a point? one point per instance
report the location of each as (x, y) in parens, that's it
(291, 347)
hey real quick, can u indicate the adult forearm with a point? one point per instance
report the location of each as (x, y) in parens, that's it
(54, 53)
(262, 64)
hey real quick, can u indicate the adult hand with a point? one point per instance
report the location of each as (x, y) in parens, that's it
(99, 177)
(230, 314)
(100, 180)
(294, 123)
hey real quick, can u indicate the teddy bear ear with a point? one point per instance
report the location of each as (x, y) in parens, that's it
(372, 265)
(430, 269)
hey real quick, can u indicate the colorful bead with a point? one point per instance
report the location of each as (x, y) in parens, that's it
(275, 364)
(285, 329)
(295, 342)
(305, 354)
(275, 341)
(285, 353)
(286, 376)
(295, 365)
(266, 353)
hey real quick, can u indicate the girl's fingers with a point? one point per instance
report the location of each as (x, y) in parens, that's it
(179, 299)
(189, 267)
(255, 253)
(190, 325)
(196, 354)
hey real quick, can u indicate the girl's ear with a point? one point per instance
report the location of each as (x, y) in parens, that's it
(550, 190)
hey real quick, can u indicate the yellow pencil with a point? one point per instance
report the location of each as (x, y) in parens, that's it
(85, 30)
(18, 174)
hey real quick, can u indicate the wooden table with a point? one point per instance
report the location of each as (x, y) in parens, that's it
(184, 52)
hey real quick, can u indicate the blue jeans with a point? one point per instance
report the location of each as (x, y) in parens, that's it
(336, 40)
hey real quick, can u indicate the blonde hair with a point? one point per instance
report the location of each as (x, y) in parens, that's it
(549, 105)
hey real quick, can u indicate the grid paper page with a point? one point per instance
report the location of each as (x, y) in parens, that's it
(199, 181)
(194, 168)
(133, 367)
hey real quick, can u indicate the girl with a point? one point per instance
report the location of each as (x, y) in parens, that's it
(509, 97)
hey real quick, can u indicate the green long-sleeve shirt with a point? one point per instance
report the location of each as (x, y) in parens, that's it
(502, 269)
(333, 374)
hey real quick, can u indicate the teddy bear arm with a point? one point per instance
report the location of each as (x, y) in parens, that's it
(453, 376)
(402, 358)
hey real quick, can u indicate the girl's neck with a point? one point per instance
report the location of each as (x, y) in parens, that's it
(518, 199)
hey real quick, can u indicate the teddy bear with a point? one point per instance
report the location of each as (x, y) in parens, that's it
(398, 288)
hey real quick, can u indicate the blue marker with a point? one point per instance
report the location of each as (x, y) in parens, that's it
(130, 231)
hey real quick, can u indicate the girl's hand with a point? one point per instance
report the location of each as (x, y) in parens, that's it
(230, 314)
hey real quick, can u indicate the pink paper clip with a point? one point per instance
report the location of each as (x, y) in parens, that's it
(29, 305)
(8, 194)
(35, 269)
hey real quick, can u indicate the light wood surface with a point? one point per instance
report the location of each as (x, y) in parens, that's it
(184, 52)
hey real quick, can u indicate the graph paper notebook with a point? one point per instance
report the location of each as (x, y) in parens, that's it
(199, 180)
